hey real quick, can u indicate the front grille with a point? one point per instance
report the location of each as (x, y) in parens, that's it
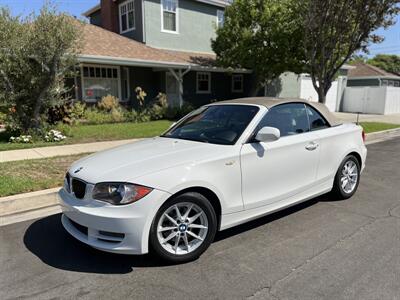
(78, 188)
(79, 227)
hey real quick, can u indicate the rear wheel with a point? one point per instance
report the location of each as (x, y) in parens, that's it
(347, 178)
(183, 228)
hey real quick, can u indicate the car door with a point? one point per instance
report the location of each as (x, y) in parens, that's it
(275, 171)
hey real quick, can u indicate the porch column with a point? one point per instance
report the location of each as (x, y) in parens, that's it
(179, 78)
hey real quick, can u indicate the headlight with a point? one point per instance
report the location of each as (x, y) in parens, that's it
(118, 193)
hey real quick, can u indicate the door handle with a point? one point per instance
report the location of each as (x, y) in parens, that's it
(312, 146)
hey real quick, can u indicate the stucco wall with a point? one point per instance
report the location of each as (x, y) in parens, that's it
(137, 33)
(95, 18)
(196, 26)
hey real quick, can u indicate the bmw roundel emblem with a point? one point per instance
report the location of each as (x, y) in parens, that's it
(78, 170)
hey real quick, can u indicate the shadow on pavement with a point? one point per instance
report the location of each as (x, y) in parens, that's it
(47, 239)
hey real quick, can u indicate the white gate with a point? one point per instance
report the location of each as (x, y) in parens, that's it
(372, 100)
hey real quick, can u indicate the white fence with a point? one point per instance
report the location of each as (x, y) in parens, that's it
(308, 92)
(372, 100)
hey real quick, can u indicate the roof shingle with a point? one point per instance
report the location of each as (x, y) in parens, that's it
(100, 42)
(365, 70)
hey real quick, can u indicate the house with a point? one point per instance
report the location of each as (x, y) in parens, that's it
(371, 90)
(367, 75)
(159, 45)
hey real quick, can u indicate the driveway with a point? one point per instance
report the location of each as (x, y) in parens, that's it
(321, 249)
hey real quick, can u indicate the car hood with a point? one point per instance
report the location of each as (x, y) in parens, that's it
(130, 161)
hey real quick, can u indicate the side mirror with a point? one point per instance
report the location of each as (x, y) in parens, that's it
(268, 134)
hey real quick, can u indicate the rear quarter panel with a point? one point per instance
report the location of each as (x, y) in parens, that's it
(336, 143)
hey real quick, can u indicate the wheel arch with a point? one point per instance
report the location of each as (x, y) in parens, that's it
(357, 156)
(210, 195)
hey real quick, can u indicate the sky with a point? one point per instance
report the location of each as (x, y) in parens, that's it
(391, 45)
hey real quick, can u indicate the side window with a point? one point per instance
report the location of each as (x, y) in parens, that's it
(317, 121)
(290, 119)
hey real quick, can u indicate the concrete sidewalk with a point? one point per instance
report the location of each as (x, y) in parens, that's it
(43, 152)
(351, 117)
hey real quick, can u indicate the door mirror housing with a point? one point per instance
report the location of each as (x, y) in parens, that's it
(268, 134)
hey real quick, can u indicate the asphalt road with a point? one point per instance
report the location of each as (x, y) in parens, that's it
(321, 249)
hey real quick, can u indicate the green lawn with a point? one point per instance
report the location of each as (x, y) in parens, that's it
(96, 133)
(24, 176)
(375, 126)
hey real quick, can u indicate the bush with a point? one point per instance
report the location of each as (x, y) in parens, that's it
(137, 117)
(108, 103)
(22, 139)
(176, 113)
(64, 128)
(54, 136)
(77, 111)
(3, 118)
(37, 53)
(95, 116)
(159, 109)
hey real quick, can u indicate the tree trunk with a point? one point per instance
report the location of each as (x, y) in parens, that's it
(321, 95)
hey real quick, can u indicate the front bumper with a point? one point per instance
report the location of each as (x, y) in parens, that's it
(118, 229)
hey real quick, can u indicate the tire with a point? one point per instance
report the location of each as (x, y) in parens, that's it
(190, 234)
(344, 191)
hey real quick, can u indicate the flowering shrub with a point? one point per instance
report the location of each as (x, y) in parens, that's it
(22, 139)
(108, 103)
(54, 136)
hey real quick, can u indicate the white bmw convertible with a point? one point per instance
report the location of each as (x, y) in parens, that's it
(222, 165)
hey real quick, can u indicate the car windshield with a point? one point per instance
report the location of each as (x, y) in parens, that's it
(216, 124)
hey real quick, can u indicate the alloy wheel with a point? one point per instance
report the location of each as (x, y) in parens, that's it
(182, 228)
(349, 177)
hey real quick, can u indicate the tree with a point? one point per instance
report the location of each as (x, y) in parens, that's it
(389, 63)
(335, 29)
(263, 36)
(36, 53)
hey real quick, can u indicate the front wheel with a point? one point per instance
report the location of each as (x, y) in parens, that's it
(183, 228)
(347, 178)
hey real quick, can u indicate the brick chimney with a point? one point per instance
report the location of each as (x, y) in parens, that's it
(109, 15)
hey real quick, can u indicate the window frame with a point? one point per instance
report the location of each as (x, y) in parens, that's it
(256, 128)
(110, 67)
(209, 83)
(126, 3)
(219, 23)
(127, 78)
(233, 83)
(176, 18)
(320, 114)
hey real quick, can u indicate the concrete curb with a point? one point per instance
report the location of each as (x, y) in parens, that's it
(34, 205)
(380, 136)
(28, 206)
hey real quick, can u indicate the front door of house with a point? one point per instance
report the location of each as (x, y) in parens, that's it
(172, 90)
